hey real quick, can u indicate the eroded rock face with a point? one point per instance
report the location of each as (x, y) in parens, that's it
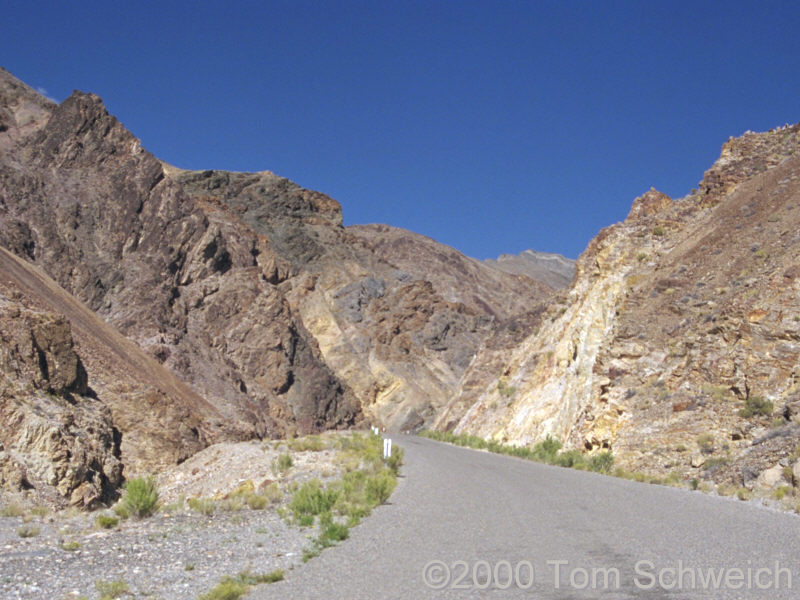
(247, 309)
(676, 318)
(185, 278)
(55, 438)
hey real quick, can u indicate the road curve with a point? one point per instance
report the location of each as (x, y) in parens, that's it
(605, 538)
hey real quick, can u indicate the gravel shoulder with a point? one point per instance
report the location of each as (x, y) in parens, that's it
(179, 553)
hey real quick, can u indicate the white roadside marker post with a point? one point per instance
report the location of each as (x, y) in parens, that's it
(387, 448)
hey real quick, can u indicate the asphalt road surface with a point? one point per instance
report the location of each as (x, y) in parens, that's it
(479, 525)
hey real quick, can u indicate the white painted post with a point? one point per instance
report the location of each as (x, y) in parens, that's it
(387, 448)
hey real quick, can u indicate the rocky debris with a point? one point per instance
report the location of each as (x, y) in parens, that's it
(178, 553)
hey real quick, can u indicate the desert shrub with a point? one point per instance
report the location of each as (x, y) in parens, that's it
(380, 486)
(756, 406)
(506, 390)
(70, 546)
(395, 461)
(311, 443)
(12, 510)
(27, 531)
(204, 506)
(572, 459)
(106, 521)
(331, 531)
(781, 492)
(283, 463)
(227, 589)
(111, 590)
(311, 499)
(257, 502)
(602, 462)
(546, 450)
(121, 510)
(141, 496)
(705, 441)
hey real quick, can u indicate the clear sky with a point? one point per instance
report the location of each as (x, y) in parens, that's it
(491, 126)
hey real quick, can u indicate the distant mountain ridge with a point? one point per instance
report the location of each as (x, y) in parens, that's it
(555, 270)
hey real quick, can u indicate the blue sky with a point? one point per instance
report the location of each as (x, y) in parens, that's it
(490, 126)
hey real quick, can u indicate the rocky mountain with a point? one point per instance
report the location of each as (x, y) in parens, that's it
(678, 344)
(553, 269)
(246, 307)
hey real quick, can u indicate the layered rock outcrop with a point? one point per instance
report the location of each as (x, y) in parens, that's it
(678, 320)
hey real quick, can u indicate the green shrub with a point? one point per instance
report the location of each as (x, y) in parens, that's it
(331, 531)
(756, 406)
(380, 486)
(506, 390)
(282, 464)
(70, 546)
(121, 510)
(106, 521)
(781, 492)
(141, 497)
(395, 461)
(111, 590)
(257, 502)
(571, 459)
(27, 531)
(311, 443)
(227, 589)
(233, 588)
(602, 462)
(312, 499)
(204, 506)
(547, 450)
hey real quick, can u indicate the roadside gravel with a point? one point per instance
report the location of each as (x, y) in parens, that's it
(178, 553)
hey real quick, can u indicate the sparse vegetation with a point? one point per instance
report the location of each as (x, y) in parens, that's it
(705, 441)
(311, 443)
(141, 497)
(12, 510)
(106, 521)
(505, 390)
(547, 451)
(204, 506)
(343, 503)
(111, 590)
(781, 492)
(282, 464)
(70, 546)
(233, 588)
(756, 406)
(658, 231)
(28, 531)
(121, 510)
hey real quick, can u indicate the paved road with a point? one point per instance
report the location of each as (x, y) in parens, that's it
(455, 504)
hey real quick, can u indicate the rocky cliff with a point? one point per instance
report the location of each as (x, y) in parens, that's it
(257, 311)
(678, 344)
